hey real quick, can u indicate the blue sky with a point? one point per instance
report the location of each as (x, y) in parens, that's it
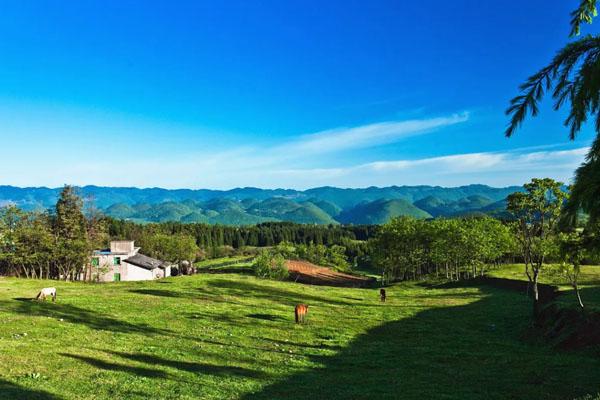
(277, 94)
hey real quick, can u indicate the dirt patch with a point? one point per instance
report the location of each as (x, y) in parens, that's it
(306, 272)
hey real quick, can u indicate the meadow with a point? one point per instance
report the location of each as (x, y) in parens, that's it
(232, 336)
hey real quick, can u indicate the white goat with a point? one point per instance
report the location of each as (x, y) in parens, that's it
(45, 292)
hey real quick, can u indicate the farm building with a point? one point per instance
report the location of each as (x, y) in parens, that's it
(123, 262)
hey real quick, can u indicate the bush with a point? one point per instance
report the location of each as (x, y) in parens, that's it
(225, 251)
(248, 251)
(267, 265)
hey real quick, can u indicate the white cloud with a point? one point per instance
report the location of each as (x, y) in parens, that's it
(479, 162)
(369, 135)
(493, 168)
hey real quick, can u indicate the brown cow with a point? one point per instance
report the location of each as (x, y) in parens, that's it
(300, 312)
(382, 295)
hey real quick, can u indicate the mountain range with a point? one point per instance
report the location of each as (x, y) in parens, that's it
(245, 206)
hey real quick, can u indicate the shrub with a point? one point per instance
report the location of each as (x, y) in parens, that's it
(225, 251)
(268, 265)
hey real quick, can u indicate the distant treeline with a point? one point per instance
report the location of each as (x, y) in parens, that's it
(212, 238)
(261, 235)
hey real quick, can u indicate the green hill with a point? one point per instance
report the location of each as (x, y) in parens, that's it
(195, 217)
(237, 217)
(274, 208)
(474, 202)
(309, 213)
(431, 204)
(327, 206)
(168, 211)
(467, 205)
(381, 211)
(223, 205)
(120, 211)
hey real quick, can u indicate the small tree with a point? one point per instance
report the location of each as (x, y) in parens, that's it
(72, 248)
(173, 248)
(537, 211)
(286, 249)
(574, 247)
(271, 266)
(11, 219)
(34, 245)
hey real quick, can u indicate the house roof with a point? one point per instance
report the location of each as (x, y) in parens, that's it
(142, 261)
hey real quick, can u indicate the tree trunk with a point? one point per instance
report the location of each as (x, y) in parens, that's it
(576, 287)
(25, 271)
(536, 295)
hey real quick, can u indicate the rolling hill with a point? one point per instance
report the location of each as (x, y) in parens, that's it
(381, 211)
(438, 207)
(244, 206)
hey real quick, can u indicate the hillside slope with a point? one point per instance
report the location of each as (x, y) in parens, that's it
(380, 212)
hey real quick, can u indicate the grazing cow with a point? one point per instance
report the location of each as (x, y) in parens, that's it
(382, 295)
(300, 312)
(45, 292)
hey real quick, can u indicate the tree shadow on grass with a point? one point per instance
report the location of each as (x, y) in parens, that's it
(318, 346)
(138, 371)
(77, 315)
(240, 346)
(239, 320)
(226, 270)
(267, 292)
(194, 367)
(471, 351)
(158, 292)
(266, 317)
(12, 391)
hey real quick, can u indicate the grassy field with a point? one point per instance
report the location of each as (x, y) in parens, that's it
(589, 283)
(237, 264)
(232, 336)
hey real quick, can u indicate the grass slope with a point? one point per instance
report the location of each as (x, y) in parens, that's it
(380, 212)
(225, 336)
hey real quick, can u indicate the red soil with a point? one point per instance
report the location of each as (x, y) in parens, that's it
(306, 272)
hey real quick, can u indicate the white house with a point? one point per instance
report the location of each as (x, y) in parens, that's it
(123, 262)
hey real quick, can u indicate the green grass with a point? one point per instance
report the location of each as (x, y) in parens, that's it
(589, 283)
(226, 264)
(226, 336)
